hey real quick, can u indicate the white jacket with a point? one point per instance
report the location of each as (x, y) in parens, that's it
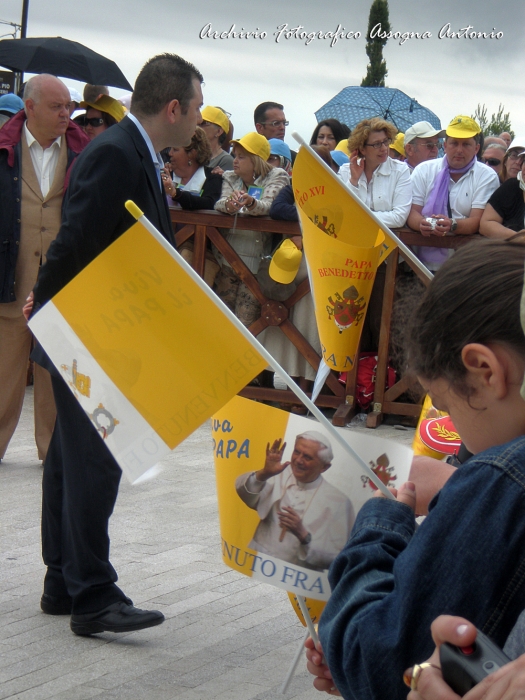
(389, 192)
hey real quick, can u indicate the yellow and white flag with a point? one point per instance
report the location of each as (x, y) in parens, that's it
(344, 243)
(322, 198)
(318, 487)
(343, 247)
(145, 351)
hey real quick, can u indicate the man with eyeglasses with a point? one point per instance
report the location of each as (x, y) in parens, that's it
(270, 121)
(37, 149)
(422, 143)
(450, 193)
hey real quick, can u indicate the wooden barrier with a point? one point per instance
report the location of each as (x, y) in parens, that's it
(384, 401)
(202, 226)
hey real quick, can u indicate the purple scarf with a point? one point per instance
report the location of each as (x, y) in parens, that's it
(438, 198)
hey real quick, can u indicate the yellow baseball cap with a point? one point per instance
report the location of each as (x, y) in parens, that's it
(343, 146)
(285, 262)
(107, 104)
(397, 144)
(462, 127)
(255, 143)
(216, 116)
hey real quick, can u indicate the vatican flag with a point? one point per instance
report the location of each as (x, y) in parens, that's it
(341, 276)
(324, 199)
(143, 347)
(343, 246)
(344, 243)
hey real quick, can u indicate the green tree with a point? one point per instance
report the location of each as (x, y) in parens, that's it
(498, 123)
(376, 70)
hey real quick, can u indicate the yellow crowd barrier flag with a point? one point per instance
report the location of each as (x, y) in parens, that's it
(145, 351)
(320, 501)
(321, 197)
(343, 247)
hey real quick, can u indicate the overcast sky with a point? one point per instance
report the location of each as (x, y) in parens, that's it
(449, 76)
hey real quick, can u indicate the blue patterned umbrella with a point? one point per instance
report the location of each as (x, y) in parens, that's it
(354, 104)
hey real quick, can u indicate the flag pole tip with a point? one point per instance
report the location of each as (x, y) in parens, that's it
(133, 209)
(298, 138)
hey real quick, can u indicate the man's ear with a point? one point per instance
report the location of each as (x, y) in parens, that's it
(486, 369)
(29, 105)
(258, 128)
(173, 111)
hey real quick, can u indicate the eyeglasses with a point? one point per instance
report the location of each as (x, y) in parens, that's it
(491, 161)
(431, 145)
(379, 144)
(513, 156)
(93, 121)
(275, 123)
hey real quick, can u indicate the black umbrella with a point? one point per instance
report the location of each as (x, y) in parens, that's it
(61, 57)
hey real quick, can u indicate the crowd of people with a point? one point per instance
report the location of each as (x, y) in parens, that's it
(63, 184)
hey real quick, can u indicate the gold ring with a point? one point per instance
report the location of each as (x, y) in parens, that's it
(417, 671)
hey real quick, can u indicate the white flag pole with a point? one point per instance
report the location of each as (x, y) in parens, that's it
(293, 665)
(139, 216)
(404, 248)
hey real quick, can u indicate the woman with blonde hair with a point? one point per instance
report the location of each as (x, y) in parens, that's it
(192, 185)
(383, 183)
(249, 188)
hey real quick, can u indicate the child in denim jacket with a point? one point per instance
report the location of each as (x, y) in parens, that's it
(467, 349)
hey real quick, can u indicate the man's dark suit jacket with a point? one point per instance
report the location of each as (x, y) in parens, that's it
(115, 167)
(81, 478)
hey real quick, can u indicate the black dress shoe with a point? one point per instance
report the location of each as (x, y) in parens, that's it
(118, 617)
(56, 605)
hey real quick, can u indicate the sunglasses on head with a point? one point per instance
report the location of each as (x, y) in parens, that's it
(491, 161)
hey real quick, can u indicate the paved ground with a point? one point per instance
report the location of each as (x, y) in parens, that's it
(225, 637)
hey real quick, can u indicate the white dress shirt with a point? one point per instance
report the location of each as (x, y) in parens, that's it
(44, 160)
(155, 157)
(389, 192)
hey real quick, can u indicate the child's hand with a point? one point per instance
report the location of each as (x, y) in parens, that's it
(318, 668)
(406, 494)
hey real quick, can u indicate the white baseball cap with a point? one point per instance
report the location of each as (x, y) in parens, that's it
(75, 95)
(518, 142)
(422, 130)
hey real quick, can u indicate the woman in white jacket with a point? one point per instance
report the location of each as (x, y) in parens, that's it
(382, 183)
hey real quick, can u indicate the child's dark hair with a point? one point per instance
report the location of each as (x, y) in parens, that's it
(474, 298)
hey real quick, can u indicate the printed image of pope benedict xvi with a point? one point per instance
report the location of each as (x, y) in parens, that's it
(304, 520)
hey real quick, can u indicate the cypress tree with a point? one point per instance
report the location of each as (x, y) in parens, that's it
(376, 69)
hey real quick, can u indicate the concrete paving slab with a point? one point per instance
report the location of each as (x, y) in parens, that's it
(226, 637)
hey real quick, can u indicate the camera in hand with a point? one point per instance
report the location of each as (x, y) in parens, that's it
(465, 667)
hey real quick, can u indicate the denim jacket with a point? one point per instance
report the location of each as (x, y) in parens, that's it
(391, 581)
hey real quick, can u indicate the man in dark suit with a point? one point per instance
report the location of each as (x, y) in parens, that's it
(81, 478)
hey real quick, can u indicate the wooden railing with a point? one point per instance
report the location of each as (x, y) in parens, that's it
(202, 226)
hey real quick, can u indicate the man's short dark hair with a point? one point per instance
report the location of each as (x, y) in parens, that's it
(93, 92)
(164, 78)
(259, 116)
